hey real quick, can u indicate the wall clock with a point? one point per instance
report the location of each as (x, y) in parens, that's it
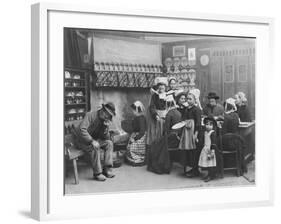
(204, 60)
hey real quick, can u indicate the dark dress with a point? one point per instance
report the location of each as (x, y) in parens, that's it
(193, 113)
(213, 111)
(181, 109)
(159, 158)
(155, 127)
(192, 155)
(244, 113)
(156, 104)
(173, 117)
(230, 123)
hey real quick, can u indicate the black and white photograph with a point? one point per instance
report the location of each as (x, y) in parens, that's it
(149, 111)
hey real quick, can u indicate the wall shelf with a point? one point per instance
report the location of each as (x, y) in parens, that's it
(84, 74)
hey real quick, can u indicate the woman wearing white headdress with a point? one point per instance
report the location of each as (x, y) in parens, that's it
(242, 107)
(231, 118)
(231, 125)
(196, 93)
(157, 111)
(135, 154)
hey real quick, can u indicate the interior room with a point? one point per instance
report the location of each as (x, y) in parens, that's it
(121, 67)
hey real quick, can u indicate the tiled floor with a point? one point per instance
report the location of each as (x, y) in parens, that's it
(139, 179)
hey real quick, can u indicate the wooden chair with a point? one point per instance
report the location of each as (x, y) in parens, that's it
(231, 145)
(72, 154)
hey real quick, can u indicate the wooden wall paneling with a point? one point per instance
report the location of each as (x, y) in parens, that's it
(215, 81)
(203, 80)
(229, 84)
(252, 97)
(242, 74)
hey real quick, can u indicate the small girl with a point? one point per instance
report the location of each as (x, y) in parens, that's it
(135, 155)
(207, 159)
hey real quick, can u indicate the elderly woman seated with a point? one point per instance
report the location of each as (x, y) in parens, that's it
(242, 108)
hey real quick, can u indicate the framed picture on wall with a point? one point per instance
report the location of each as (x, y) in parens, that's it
(178, 51)
(92, 115)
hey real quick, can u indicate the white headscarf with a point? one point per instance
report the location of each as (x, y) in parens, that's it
(242, 96)
(231, 101)
(140, 109)
(170, 99)
(196, 94)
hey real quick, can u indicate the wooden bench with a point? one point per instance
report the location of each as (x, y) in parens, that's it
(72, 154)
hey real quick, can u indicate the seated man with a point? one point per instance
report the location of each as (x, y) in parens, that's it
(213, 108)
(92, 135)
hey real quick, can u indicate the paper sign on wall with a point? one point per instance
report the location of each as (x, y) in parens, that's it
(191, 56)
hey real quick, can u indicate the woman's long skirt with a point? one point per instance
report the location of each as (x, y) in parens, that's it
(155, 129)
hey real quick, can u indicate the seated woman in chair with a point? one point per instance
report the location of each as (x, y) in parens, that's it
(231, 140)
(231, 118)
(242, 107)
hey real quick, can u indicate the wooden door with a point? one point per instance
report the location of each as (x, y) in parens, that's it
(242, 74)
(251, 96)
(228, 77)
(215, 79)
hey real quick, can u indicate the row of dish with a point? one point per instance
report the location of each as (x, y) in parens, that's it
(74, 117)
(72, 75)
(76, 100)
(111, 66)
(71, 83)
(75, 110)
(74, 94)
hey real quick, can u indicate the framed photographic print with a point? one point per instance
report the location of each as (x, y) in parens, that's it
(191, 56)
(179, 51)
(113, 125)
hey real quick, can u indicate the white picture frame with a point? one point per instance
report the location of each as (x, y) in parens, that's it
(47, 198)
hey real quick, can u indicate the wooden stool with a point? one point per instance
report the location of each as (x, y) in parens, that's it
(72, 154)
